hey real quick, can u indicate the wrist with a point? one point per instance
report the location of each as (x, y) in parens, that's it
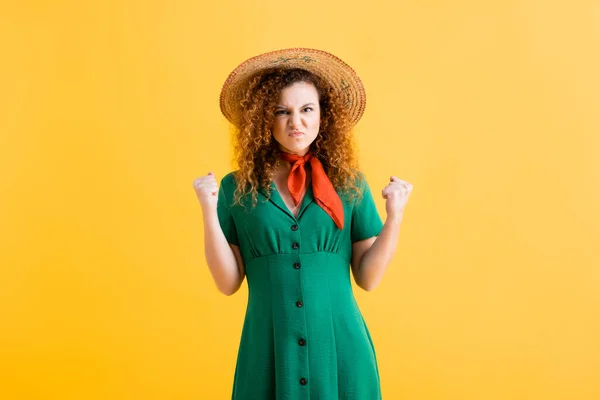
(395, 217)
(209, 211)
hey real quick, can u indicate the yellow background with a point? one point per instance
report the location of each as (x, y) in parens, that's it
(109, 110)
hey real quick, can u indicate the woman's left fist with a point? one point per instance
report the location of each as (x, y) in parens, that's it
(396, 194)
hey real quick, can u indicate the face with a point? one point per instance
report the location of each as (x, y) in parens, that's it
(297, 118)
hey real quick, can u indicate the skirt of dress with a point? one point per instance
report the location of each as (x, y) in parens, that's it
(304, 336)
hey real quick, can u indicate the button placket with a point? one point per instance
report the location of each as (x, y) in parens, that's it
(296, 246)
(300, 339)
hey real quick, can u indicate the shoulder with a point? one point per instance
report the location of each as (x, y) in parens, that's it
(227, 187)
(355, 188)
(360, 178)
(360, 182)
(363, 189)
(229, 181)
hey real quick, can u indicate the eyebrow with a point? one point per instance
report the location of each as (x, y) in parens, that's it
(307, 104)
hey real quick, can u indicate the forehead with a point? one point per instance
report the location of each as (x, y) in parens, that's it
(299, 92)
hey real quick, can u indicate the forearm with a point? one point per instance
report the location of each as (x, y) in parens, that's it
(219, 256)
(375, 260)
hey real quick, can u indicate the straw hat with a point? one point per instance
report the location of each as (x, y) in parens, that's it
(336, 72)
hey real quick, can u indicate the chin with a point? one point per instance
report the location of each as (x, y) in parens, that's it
(296, 147)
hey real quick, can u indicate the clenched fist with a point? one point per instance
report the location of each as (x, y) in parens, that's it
(396, 194)
(207, 190)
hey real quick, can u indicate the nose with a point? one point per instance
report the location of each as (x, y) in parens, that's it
(295, 120)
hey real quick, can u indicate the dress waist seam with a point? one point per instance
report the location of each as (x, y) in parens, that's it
(253, 259)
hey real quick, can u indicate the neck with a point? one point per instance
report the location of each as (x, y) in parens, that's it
(296, 153)
(283, 168)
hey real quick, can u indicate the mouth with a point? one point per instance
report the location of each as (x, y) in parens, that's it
(296, 134)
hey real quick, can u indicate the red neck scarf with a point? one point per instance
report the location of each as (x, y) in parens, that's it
(325, 195)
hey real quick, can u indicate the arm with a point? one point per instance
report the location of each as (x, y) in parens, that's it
(224, 259)
(374, 245)
(370, 257)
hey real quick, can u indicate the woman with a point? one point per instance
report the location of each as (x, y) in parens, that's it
(296, 218)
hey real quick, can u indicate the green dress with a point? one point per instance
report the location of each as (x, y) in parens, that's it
(304, 336)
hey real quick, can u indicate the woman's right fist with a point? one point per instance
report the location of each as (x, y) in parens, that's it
(207, 190)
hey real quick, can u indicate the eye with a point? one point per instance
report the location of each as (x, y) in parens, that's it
(308, 109)
(280, 112)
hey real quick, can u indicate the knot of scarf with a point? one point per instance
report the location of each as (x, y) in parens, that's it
(325, 195)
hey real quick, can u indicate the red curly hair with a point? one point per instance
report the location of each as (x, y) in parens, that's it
(257, 152)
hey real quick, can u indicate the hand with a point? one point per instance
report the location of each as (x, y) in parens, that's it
(207, 190)
(396, 194)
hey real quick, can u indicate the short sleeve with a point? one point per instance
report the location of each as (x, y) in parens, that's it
(366, 221)
(224, 202)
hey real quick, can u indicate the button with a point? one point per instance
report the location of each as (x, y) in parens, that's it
(297, 265)
(302, 342)
(294, 227)
(303, 381)
(298, 304)
(295, 246)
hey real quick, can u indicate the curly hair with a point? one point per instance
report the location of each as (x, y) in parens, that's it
(257, 152)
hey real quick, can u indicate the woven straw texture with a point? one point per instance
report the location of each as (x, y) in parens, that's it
(339, 75)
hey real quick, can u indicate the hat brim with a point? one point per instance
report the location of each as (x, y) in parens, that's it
(329, 67)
